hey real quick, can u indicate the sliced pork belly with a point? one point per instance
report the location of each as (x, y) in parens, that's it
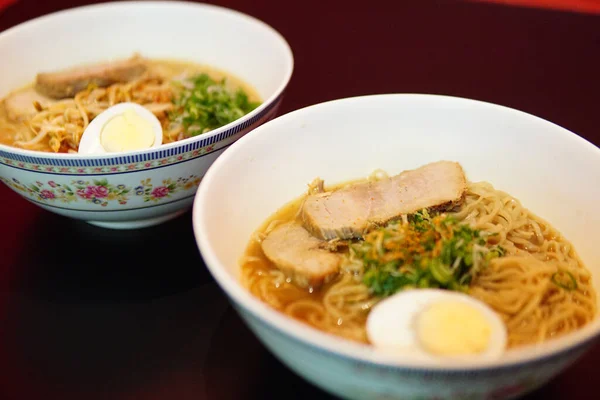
(300, 255)
(67, 83)
(346, 213)
(20, 105)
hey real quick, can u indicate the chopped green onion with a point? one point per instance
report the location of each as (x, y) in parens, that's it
(569, 285)
(204, 104)
(428, 252)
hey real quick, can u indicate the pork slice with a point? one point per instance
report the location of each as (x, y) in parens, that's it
(300, 255)
(348, 212)
(20, 105)
(67, 83)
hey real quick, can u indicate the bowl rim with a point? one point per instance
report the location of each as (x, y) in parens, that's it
(334, 345)
(149, 4)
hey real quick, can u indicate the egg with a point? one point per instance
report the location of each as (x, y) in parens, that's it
(434, 324)
(120, 128)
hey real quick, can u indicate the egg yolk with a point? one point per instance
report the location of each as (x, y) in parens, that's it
(126, 132)
(452, 329)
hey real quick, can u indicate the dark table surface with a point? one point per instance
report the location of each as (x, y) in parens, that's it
(88, 313)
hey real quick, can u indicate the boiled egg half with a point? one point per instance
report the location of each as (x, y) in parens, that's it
(431, 324)
(122, 127)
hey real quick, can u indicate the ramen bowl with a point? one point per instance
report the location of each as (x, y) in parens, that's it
(138, 188)
(545, 166)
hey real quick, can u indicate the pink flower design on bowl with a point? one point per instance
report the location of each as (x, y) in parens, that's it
(84, 194)
(99, 191)
(91, 192)
(47, 194)
(160, 191)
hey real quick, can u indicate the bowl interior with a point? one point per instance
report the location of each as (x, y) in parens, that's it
(552, 171)
(206, 34)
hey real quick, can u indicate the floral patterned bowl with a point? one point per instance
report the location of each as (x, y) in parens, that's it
(143, 188)
(516, 152)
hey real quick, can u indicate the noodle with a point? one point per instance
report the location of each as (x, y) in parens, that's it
(64, 122)
(519, 286)
(58, 126)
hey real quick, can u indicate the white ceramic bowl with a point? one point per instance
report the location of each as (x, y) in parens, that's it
(141, 188)
(551, 170)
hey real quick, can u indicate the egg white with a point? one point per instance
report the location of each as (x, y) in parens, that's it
(391, 324)
(90, 140)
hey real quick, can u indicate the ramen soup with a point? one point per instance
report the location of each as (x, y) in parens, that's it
(422, 264)
(188, 99)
